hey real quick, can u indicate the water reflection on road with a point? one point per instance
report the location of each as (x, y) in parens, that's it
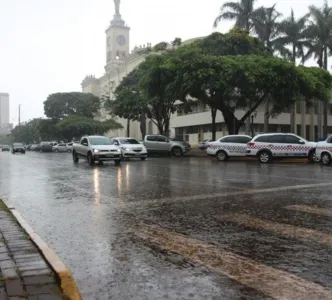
(178, 228)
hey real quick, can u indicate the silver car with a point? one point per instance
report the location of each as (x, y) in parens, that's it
(130, 148)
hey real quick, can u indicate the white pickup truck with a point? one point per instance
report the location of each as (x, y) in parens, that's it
(96, 148)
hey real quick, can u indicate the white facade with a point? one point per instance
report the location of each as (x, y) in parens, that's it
(4, 109)
(195, 126)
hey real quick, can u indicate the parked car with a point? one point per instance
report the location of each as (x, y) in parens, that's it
(62, 147)
(69, 147)
(5, 148)
(18, 147)
(281, 145)
(202, 145)
(34, 147)
(130, 148)
(228, 146)
(161, 144)
(45, 147)
(28, 147)
(96, 148)
(185, 143)
(324, 151)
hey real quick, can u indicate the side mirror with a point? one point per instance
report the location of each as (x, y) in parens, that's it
(85, 144)
(302, 141)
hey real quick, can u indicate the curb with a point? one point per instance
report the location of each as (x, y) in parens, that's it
(62, 273)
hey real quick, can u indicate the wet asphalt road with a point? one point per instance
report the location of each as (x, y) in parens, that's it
(188, 228)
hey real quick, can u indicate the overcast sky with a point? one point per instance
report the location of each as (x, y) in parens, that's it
(49, 46)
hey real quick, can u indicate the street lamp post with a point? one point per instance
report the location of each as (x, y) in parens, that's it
(19, 114)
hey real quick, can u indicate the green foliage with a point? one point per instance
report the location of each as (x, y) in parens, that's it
(77, 126)
(6, 139)
(60, 105)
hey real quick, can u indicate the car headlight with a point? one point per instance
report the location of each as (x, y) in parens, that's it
(95, 150)
(119, 150)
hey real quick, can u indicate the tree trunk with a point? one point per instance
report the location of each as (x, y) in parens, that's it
(143, 125)
(267, 116)
(293, 110)
(128, 128)
(232, 123)
(326, 103)
(213, 125)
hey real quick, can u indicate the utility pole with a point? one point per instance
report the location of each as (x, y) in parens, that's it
(19, 114)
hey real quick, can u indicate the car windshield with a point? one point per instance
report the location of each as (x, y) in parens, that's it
(5, 146)
(45, 143)
(100, 141)
(18, 145)
(128, 141)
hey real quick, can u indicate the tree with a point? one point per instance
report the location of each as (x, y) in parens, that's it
(240, 11)
(60, 105)
(77, 126)
(319, 34)
(155, 82)
(292, 35)
(129, 103)
(230, 83)
(267, 27)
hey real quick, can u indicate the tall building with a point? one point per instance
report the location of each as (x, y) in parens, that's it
(196, 125)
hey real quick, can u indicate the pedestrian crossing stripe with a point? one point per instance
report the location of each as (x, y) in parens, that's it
(268, 280)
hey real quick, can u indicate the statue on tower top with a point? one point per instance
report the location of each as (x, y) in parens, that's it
(117, 6)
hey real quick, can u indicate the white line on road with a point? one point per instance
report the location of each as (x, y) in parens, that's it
(268, 280)
(313, 210)
(279, 228)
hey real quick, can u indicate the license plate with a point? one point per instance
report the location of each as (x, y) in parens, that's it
(109, 155)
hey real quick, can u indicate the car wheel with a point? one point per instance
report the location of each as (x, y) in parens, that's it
(143, 158)
(312, 158)
(326, 159)
(90, 159)
(264, 157)
(177, 152)
(117, 162)
(75, 158)
(56, 150)
(23, 152)
(222, 156)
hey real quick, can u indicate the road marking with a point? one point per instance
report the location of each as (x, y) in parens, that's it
(312, 210)
(268, 280)
(279, 228)
(236, 193)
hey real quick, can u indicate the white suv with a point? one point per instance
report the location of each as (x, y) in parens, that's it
(281, 145)
(228, 146)
(324, 151)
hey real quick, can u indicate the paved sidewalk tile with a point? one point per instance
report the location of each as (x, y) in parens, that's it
(24, 274)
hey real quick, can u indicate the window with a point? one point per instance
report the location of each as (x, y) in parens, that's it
(84, 141)
(244, 139)
(151, 138)
(115, 142)
(278, 138)
(162, 139)
(292, 139)
(263, 139)
(129, 141)
(100, 141)
(329, 140)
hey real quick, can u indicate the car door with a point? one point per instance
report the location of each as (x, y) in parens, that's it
(162, 144)
(83, 150)
(276, 144)
(295, 146)
(240, 145)
(151, 142)
(62, 147)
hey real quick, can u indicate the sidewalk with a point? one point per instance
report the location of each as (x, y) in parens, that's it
(24, 273)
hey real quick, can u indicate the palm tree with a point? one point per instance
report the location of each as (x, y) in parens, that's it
(292, 33)
(240, 11)
(266, 26)
(319, 34)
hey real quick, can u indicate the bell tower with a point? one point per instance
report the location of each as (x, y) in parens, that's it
(117, 40)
